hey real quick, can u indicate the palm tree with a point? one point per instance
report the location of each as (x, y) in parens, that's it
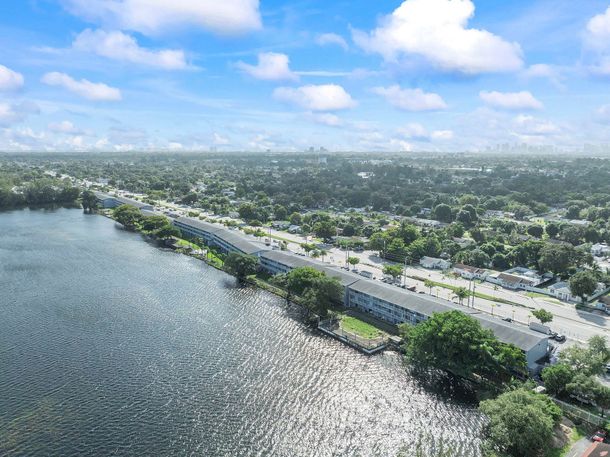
(461, 293)
(323, 253)
(429, 284)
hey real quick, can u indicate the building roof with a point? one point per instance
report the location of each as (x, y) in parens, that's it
(426, 259)
(239, 242)
(521, 337)
(514, 279)
(122, 200)
(421, 303)
(461, 266)
(291, 260)
(201, 225)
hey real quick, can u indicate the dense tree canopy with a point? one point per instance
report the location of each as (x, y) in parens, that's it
(455, 342)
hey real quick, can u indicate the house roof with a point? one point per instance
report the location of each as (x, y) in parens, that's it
(513, 279)
(421, 303)
(461, 266)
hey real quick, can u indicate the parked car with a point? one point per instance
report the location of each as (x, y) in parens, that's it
(599, 436)
(507, 319)
(560, 338)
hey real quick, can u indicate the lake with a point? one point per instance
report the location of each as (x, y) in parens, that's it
(112, 346)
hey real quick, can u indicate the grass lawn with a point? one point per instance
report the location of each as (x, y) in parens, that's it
(360, 328)
(544, 297)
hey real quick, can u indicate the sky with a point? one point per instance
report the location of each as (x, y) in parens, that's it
(250, 75)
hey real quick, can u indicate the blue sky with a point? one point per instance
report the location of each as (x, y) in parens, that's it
(417, 75)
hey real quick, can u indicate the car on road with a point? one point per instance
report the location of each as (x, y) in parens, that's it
(559, 337)
(599, 436)
(507, 319)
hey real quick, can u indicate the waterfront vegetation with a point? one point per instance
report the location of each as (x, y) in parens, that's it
(455, 342)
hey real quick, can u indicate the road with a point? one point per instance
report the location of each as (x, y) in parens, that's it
(576, 325)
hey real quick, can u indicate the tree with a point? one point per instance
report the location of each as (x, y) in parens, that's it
(583, 284)
(127, 215)
(322, 294)
(442, 213)
(151, 223)
(393, 270)
(535, 230)
(464, 217)
(556, 257)
(295, 219)
(589, 360)
(521, 423)
(429, 284)
(89, 201)
(325, 229)
(456, 342)
(543, 315)
(280, 212)
(461, 293)
(240, 265)
(584, 388)
(353, 261)
(552, 230)
(557, 377)
(165, 232)
(317, 291)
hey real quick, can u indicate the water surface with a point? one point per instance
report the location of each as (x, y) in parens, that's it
(111, 346)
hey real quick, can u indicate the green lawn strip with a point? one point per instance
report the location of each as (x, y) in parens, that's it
(543, 297)
(476, 294)
(356, 326)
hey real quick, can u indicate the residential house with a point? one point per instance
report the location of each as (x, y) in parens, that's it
(434, 263)
(561, 290)
(468, 272)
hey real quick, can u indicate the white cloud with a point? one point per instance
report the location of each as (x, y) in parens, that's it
(271, 66)
(411, 99)
(324, 97)
(9, 115)
(220, 140)
(417, 132)
(597, 43)
(332, 39)
(329, 119)
(542, 70)
(226, 17)
(529, 125)
(83, 88)
(511, 100)
(120, 46)
(597, 33)
(444, 135)
(436, 30)
(10, 80)
(66, 127)
(14, 113)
